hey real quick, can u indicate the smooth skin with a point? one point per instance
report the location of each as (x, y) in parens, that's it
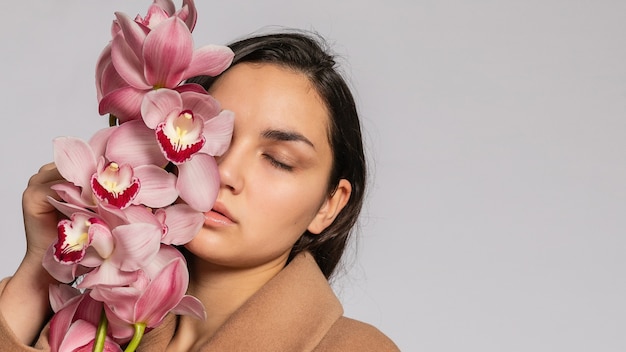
(274, 186)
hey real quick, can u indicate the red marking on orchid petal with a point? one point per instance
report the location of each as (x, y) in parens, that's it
(180, 137)
(71, 249)
(115, 185)
(117, 199)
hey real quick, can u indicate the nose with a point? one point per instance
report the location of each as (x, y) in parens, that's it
(230, 170)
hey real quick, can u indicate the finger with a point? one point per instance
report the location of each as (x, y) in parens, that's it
(47, 167)
(46, 176)
(35, 199)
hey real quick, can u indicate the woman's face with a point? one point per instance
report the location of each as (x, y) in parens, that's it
(274, 176)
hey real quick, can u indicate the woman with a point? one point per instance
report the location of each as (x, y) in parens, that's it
(292, 186)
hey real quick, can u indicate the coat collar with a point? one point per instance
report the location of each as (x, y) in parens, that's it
(292, 312)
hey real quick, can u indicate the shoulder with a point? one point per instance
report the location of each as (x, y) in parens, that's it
(353, 335)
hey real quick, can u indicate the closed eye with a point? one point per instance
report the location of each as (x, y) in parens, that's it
(277, 164)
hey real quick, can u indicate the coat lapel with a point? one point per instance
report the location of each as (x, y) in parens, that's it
(292, 312)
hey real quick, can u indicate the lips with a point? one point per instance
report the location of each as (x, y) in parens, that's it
(218, 216)
(221, 209)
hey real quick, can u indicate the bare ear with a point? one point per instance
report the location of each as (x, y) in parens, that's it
(332, 206)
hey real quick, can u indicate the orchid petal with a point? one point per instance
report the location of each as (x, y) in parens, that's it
(66, 209)
(190, 87)
(78, 307)
(167, 52)
(81, 307)
(89, 309)
(80, 337)
(133, 143)
(74, 159)
(141, 214)
(61, 272)
(128, 65)
(117, 296)
(157, 14)
(107, 274)
(111, 215)
(182, 222)
(189, 14)
(60, 322)
(124, 103)
(103, 63)
(198, 182)
(60, 295)
(136, 245)
(121, 330)
(191, 306)
(74, 195)
(110, 81)
(134, 33)
(201, 104)
(158, 104)
(165, 255)
(119, 299)
(101, 238)
(98, 141)
(209, 60)
(91, 260)
(158, 187)
(115, 28)
(166, 5)
(162, 294)
(218, 133)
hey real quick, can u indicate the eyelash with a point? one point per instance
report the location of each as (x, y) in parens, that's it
(277, 164)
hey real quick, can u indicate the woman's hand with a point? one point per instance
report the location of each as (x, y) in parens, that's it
(24, 303)
(40, 217)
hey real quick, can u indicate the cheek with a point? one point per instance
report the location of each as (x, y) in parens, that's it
(288, 202)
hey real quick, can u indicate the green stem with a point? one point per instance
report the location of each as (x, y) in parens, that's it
(112, 120)
(101, 333)
(140, 328)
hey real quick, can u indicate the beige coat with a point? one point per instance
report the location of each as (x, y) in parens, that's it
(296, 311)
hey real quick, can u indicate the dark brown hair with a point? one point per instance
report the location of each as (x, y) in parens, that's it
(306, 53)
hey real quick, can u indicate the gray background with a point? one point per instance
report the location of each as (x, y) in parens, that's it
(496, 137)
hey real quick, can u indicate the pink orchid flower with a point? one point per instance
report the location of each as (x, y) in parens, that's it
(93, 179)
(187, 123)
(79, 232)
(102, 247)
(189, 130)
(161, 10)
(151, 297)
(150, 59)
(73, 325)
(107, 78)
(135, 245)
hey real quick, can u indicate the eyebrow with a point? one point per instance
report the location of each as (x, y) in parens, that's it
(287, 136)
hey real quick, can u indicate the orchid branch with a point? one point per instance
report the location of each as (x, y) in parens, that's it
(101, 333)
(140, 328)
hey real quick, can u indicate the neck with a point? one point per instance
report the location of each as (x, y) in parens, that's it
(222, 290)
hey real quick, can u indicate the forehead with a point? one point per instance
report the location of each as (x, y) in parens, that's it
(269, 94)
